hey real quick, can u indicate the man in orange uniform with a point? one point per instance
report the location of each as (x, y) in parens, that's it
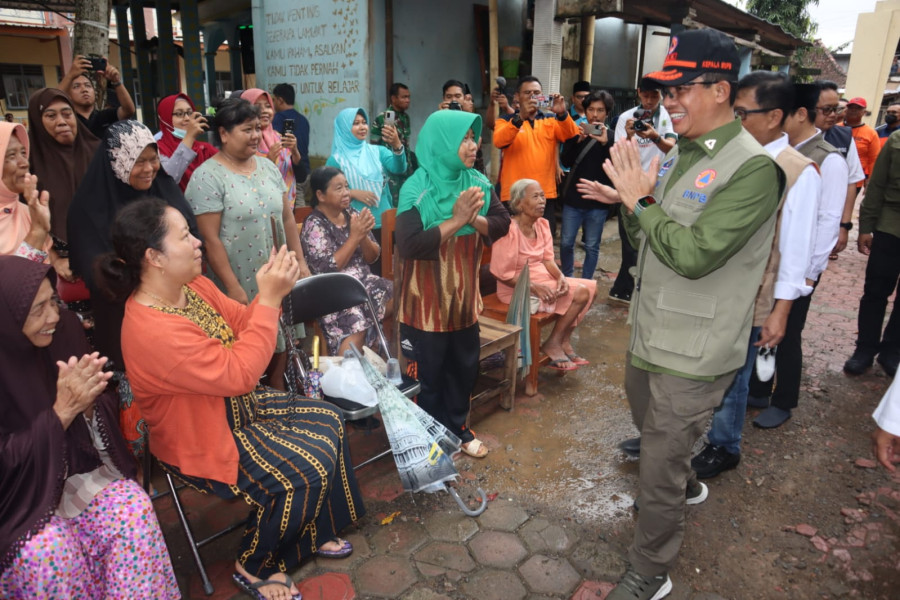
(867, 143)
(529, 141)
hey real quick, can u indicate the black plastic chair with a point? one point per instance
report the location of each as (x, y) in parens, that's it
(174, 488)
(320, 295)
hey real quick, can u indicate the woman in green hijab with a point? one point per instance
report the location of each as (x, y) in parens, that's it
(448, 211)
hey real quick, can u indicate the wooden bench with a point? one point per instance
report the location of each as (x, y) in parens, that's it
(497, 309)
(496, 336)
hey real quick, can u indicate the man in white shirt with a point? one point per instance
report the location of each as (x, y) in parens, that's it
(805, 137)
(828, 112)
(764, 100)
(886, 437)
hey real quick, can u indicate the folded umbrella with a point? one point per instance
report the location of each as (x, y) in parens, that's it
(421, 446)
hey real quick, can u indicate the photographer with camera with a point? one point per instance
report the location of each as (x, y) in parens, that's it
(584, 156)
(180, 152)
(80, 87)
(396, 116)
(529, 141)
(456, 97)
(649, 122)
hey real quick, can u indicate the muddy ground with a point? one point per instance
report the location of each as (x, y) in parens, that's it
(806, 514)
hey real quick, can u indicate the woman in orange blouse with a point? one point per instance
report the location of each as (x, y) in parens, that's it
(194, 358)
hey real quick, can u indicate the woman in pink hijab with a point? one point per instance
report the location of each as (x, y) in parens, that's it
(24, 229)
(281, 150)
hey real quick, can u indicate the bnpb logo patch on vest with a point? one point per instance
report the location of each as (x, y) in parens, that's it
(705, 178)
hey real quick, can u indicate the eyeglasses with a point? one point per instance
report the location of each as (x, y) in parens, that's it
(684, 88)
(830, 110)
(741, 113)
(581, 96)
(182, 114)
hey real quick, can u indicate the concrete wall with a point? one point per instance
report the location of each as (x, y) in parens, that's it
(876, 39)
(322, 47)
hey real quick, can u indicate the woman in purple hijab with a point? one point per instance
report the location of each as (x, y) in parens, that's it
(73, 522)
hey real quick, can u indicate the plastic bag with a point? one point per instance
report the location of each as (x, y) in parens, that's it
(348, 381)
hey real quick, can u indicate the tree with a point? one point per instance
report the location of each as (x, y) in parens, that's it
(91, 27)
(790, 15)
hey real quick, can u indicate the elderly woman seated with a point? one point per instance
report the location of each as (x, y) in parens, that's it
(338, 238)
(529, 243)
(73, 522)
(194, 358)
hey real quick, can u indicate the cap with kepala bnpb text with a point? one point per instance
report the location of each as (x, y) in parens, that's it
(697, 52)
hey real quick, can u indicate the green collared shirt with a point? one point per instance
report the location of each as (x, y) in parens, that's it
(729, 220)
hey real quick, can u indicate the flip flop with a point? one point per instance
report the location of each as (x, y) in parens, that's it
(346, 550)
(578, 360)
(252, 589)
(475, 448)
(554, 364)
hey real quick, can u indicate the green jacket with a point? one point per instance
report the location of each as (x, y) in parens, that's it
(880, 209)
(703, 250)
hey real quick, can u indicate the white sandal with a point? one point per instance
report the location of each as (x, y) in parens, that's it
(475, 448)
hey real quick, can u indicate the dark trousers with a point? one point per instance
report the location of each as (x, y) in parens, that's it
(788, 361)
(550, 214)
(446, 364)
(624, 283)
(375, 267)
(882, 271)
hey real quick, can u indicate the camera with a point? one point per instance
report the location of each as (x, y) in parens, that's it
(543, 102)
(289, 126)
(641, 125)
(454, 105)
(390, 118)
(98, 63)
(595, 128)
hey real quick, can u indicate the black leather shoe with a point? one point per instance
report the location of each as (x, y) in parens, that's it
(888, 362)
(713, 460)
(859, 363)
(631, 447)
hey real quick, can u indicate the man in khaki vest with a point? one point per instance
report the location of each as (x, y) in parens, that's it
(809, 140)
(704, 221)
(764, 100)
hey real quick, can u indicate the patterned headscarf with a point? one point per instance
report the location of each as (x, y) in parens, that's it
(125, 140)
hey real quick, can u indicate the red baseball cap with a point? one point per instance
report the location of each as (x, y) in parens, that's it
(858, 102)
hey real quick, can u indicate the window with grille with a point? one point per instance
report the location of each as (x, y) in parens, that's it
(19, 82)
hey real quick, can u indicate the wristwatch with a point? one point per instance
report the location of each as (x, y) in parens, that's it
(115, 84)
(848, 225)
(643, 203)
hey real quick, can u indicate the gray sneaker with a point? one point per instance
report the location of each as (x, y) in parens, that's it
(634, 586)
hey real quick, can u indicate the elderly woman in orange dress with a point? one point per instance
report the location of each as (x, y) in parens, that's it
(529, 242)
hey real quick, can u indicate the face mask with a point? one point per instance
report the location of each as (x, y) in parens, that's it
(890, 119)
(179, 133)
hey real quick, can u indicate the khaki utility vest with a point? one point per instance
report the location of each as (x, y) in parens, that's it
(792, 163)
(700, 326)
